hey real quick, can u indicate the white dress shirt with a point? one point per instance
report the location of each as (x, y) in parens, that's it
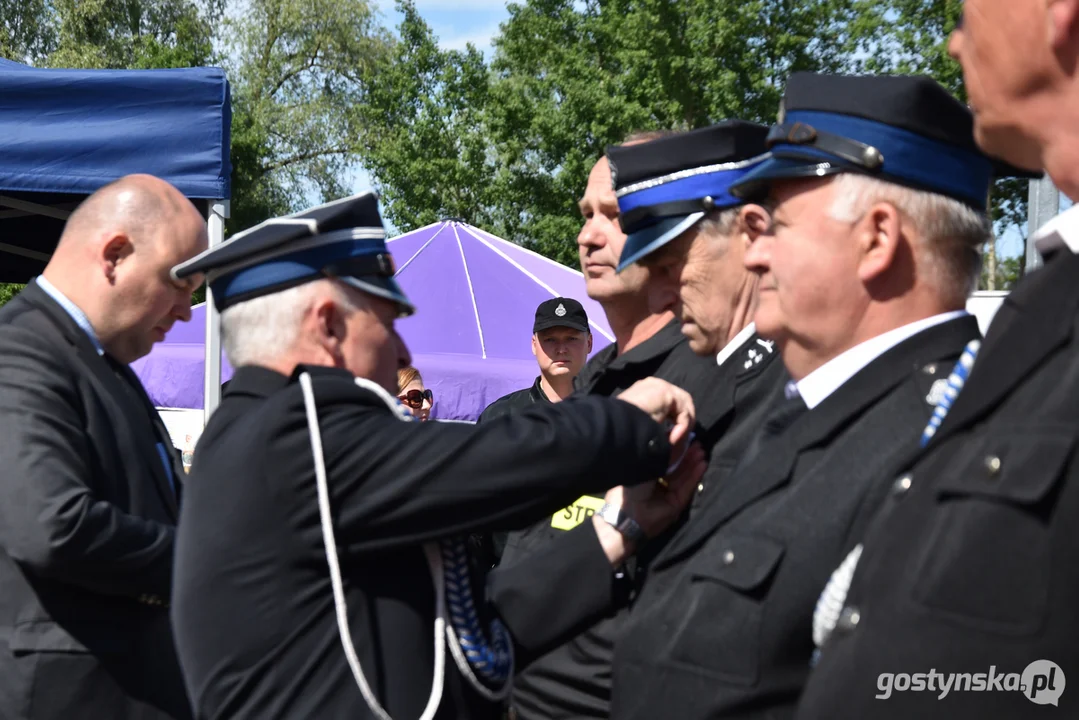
(743, 335)
(1063, 230)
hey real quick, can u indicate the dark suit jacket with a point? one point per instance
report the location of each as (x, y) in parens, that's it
(975, 566)
(723, 623)
(253, 605)
(86, 528)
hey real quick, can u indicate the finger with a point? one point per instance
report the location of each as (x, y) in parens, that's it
(614, 495)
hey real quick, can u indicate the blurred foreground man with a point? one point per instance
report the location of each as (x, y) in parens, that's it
(89, 479)
(317, 552)
(864, 269)
(969, 578)
(561, 341)
(728, 381)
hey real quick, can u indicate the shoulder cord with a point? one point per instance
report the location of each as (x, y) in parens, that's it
(448, 562)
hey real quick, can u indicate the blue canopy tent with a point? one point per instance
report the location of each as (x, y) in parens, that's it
(66, 133)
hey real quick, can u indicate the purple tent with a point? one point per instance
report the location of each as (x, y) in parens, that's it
(476, 296)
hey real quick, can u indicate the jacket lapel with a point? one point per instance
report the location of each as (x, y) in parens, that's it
(1034, 320)
(145, 436)
(771, 469)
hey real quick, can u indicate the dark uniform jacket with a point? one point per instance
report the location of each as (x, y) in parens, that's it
(253, 606)
(574, 680)
(87, 519)
(515, 401)
(723, 624)
(973, 569)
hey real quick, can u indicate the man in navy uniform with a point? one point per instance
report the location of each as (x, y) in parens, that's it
(561, 341)
(317, 553)
(716, 357)
(876, 219)
(972, 568)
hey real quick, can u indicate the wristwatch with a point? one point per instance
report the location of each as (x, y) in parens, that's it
(620, 520)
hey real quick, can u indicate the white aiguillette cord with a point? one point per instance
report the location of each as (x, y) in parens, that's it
(434, 562)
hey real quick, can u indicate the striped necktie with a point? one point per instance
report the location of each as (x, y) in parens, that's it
(834, 598)
(955, 383)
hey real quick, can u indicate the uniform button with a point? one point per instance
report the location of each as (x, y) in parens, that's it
(930, 369)
(652, 444)
(700, 487)
(728, 557)
(992, 464)
(849, 619)
(902, 485)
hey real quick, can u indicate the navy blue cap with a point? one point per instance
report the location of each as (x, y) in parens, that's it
(904, 129)
(666, 186)
(343, 239)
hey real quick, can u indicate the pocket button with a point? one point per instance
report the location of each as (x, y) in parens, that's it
(992, 464)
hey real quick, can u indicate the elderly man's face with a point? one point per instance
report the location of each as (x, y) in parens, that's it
(700, 276)
(372, 348)
(810, 292)
(1004, 48)
(601, 240)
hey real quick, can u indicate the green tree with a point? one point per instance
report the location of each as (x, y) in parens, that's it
(27, 30)
(572, 78)
(422, 131)
(297, 70)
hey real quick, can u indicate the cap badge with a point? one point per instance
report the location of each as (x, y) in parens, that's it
(560, 310)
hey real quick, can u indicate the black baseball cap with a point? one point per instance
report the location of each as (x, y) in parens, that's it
(560, 312)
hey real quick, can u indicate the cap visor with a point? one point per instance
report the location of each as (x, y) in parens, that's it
(647, 240)
(383, 287)
(755, 183)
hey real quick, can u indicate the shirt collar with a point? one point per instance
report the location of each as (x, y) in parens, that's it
(1061, 231)
(740, 339)
(72, 310)
(829, 377)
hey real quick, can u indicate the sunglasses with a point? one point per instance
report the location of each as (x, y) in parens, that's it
(414, 398)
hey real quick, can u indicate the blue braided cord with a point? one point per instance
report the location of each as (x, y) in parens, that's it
(493, 661)
(955, 383)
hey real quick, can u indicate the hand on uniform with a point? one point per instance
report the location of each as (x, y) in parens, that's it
(666, 404)
(653, 506)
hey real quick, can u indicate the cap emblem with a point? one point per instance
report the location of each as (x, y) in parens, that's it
(560, 311)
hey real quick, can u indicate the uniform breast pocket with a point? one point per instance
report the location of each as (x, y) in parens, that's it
(987, 559)
(719, 618)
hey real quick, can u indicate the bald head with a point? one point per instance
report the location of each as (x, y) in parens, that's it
(114, 257)
(138, 206)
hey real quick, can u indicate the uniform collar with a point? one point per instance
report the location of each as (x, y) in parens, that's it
(262, 381)
(738, 341)
(536, 392)
(829, 377)
(1061, 231)
(660, 343)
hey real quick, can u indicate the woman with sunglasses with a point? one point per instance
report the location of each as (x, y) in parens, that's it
(413, 394)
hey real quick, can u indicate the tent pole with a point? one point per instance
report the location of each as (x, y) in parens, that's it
(211, 390)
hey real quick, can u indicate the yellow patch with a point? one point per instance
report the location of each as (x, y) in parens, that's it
(581, 509)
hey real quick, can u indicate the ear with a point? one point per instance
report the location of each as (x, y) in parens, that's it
(589, 342)
(1063, 20)
(327, 324)
(115, 250)
(754, 221)
(535, 345)
(878, 236)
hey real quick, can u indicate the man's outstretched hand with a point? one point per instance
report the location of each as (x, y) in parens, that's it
(666, 404)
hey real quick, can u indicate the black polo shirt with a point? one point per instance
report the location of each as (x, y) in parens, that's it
(514, 401)
(574, 680)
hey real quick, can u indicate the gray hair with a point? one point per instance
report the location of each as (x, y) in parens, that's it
(720, 223)
(951, 233)
(256, 331)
